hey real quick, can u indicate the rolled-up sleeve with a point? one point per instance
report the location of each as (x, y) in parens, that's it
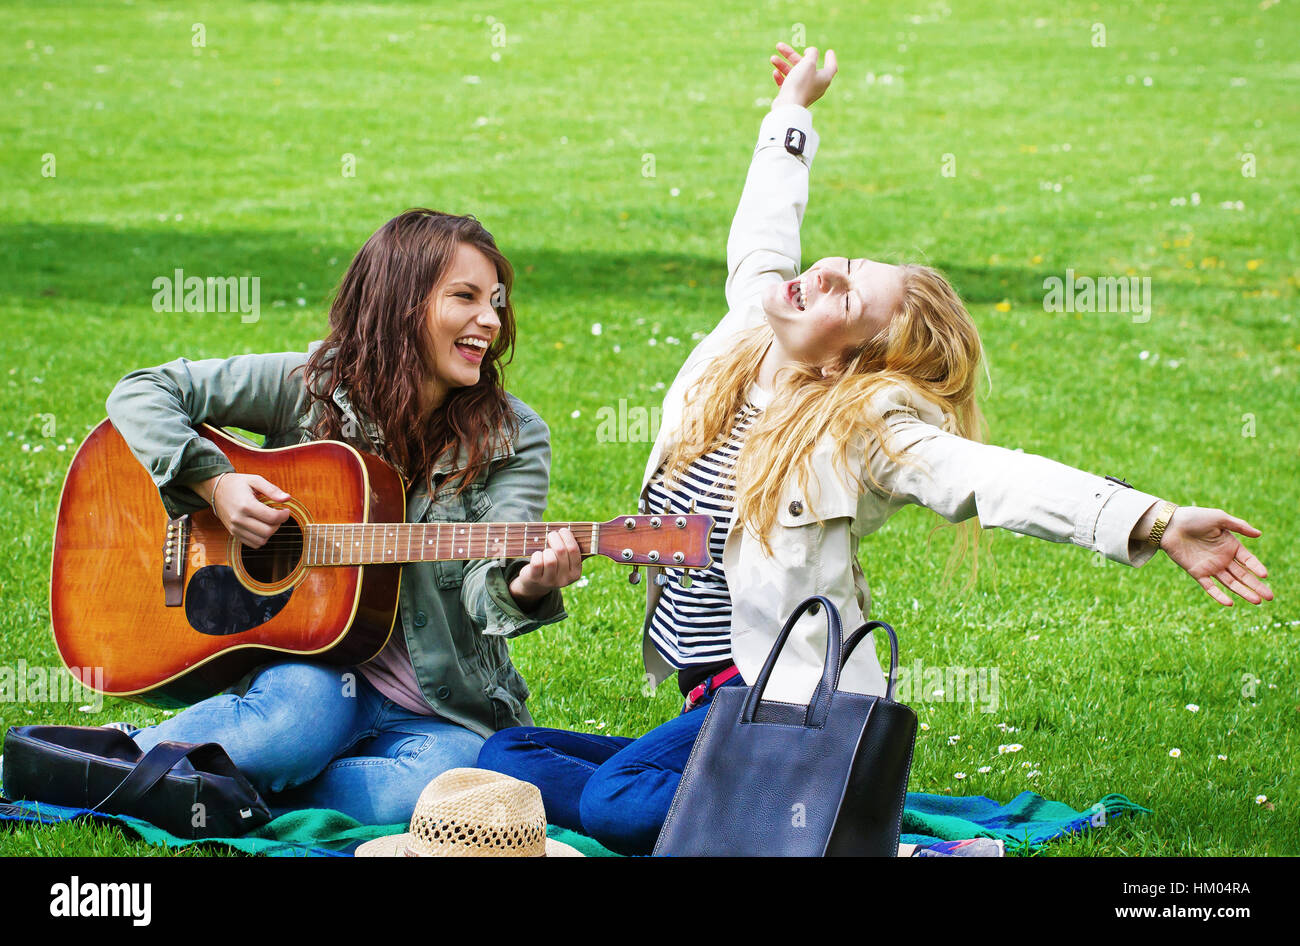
(156, 409)
(1009, 489)
(518, 488)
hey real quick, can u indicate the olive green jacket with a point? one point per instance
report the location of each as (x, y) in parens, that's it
(456, 615)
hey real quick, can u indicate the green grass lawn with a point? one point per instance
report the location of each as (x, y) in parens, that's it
(228, 159)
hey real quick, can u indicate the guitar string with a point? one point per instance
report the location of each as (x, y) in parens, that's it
(277, 543)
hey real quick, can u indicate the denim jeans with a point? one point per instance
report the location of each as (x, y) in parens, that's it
(308, 735)
(611, 788)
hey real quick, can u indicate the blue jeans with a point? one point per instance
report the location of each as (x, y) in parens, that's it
(308, 735)
(611, 788)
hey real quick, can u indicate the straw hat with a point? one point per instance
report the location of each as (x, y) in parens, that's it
(473, 813)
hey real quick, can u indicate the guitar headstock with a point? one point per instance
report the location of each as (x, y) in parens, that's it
(674, 541)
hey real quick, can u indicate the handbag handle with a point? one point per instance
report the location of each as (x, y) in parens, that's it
(819, 705)
(155, 765)
(857, 637)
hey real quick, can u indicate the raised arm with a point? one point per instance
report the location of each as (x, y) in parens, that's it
(763, 244)
(1033, 495)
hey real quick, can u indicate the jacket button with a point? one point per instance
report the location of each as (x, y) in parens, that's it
(443, 692)
(421, 619)
(796, 508)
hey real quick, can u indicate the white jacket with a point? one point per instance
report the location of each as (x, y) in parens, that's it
(1021, 492)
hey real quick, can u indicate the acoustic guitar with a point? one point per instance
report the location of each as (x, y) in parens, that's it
(170, 611)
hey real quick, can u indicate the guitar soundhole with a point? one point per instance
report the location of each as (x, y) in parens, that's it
(277, 559)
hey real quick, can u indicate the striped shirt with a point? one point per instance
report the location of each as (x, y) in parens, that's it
(691, 626)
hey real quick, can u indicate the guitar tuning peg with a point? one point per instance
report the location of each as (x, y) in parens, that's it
(686, 580)
(635, 576)
(661, 579)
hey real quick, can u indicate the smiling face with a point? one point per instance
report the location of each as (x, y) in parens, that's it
(462, 322)
(834, 307)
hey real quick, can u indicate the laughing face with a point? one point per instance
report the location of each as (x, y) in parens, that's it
(834, 307)
(463, 322)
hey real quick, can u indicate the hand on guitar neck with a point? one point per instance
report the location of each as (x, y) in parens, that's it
(237, 499)
(554, 567)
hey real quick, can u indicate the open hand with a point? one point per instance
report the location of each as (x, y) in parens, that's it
(799, 79)
(1201, 541)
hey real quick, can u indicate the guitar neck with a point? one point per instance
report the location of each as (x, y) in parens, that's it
(371, 543)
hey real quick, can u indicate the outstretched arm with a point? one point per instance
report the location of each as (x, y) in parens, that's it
(1033, 495)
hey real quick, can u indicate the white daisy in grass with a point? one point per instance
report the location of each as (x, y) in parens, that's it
(985, 769)
(954, 739)
(1193, 708)
(1034, 774)
(959, 775)
(1222, 757)
(1175, 753)
(1260, 799)
(596, 328)
(1010, 747)
(925, 726)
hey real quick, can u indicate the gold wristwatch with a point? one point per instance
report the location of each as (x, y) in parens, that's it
(1163, 515)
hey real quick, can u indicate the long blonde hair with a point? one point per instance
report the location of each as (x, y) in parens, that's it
(931, 346)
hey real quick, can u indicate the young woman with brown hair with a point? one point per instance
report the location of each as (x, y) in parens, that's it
(420, 330)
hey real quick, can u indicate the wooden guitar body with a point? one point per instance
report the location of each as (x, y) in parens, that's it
(240, 607)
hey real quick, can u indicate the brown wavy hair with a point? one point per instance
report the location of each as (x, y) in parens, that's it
(379, 349)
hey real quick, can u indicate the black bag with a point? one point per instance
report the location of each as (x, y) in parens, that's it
(769, 778)
(104, 770)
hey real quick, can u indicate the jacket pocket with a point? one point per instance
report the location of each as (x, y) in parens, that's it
(507, 692)
(831, 499)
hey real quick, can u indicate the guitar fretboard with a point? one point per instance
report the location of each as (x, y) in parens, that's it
(370, 543)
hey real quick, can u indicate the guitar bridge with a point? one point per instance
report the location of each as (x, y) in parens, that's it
(175, 551)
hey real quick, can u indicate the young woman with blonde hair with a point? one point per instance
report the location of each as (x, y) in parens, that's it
(823, 403)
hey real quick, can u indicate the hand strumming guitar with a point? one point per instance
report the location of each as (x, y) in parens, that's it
(236, 498)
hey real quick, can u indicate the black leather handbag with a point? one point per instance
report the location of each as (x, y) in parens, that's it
(780, 779)
(104, 770)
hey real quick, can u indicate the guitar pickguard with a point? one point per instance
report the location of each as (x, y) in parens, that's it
(216, 603)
